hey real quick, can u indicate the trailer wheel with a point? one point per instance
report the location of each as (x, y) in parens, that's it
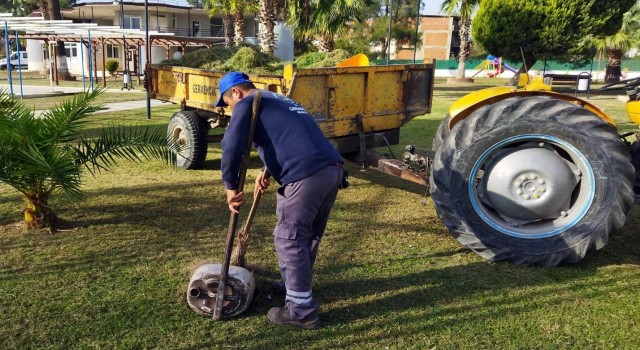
(532, 180)
(188, 131)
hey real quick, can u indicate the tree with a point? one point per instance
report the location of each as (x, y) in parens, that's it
(375, 30)
(616, 45)
(464, 8)
(232, 13)
(267, 16)
(238, 24)
(544, 29)
(18, 7)
(51, 11)
(224, 9)
(400, 32)
(325, 18)
(44, 155)
(239, 7)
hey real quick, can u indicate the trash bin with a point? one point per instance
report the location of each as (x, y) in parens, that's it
(126, 80)
(583, 83)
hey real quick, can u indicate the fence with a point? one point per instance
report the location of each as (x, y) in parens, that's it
(629, 64)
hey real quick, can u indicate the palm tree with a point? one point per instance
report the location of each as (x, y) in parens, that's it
(627, 38)
(325, 18)
(239, 7)
(465, 9)
(41, 156)
(223, 8)
(267, 16)
(51, 11)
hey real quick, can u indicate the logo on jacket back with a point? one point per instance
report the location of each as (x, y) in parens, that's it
(295, 107)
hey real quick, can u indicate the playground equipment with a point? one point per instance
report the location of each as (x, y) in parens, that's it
(492, 67)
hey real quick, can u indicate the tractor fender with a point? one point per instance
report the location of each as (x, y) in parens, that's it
(467, 104)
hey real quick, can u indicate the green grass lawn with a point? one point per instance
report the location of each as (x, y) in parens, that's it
(388, 275)
(42, 103)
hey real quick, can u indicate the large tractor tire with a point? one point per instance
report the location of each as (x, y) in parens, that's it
(532, 180)
(442, 133)
(190, 135)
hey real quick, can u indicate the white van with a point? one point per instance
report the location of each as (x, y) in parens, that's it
(24, 60)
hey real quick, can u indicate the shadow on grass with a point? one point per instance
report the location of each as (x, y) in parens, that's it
(135, 247)
(435, 300)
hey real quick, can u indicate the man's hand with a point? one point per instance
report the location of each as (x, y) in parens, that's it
(262, 183)
(235, 200)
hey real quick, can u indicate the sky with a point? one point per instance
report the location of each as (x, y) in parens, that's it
(431, 7)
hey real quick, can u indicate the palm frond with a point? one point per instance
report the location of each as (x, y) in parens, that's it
(15, 118)
(62, 123)
(48, 170)
(120, 142)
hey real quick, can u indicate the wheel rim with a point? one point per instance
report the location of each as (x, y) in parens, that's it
(179, 137)
(203, 293)
(531, 186)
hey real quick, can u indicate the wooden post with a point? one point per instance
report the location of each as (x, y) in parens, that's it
(104, 61)
(55, 63)
(138, 64)
(94, 47)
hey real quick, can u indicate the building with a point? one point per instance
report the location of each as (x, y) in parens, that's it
(440, 39)
(186, 23)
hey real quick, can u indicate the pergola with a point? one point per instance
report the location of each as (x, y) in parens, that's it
(91, 36)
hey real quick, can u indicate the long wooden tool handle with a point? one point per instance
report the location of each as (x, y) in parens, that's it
(233, 221)
(254, 205)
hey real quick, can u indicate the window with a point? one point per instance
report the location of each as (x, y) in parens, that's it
(173, 22)
(71, 49)
(196, 27)
(131, 22)
(112, 51)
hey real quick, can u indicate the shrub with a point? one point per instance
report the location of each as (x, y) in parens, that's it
(112, 66)
(321, 59)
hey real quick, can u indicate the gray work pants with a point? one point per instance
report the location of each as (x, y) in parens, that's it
(303, 209)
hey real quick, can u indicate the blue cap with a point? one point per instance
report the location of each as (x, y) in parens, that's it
(227, 82)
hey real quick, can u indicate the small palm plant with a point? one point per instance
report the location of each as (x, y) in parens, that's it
(44, 155)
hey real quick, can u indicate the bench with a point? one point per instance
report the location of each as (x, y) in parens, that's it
(571, 80)
(564, 79)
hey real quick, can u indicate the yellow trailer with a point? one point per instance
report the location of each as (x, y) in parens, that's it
(357, 108)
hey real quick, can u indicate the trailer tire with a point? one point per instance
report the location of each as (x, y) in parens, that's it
(186, 129)
(550, 181)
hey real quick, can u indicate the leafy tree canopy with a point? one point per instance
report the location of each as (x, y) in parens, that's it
(375, 30)
(545, 28)
(18, 7)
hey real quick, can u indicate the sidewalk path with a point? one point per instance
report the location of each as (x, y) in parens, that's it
(33, 91)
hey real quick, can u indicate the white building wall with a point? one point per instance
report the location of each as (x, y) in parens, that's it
(36, 55)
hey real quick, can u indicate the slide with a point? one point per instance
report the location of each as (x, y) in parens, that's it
(499, 65)
(509, 67)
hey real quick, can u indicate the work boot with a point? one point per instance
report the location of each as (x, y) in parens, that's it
(281, 315)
